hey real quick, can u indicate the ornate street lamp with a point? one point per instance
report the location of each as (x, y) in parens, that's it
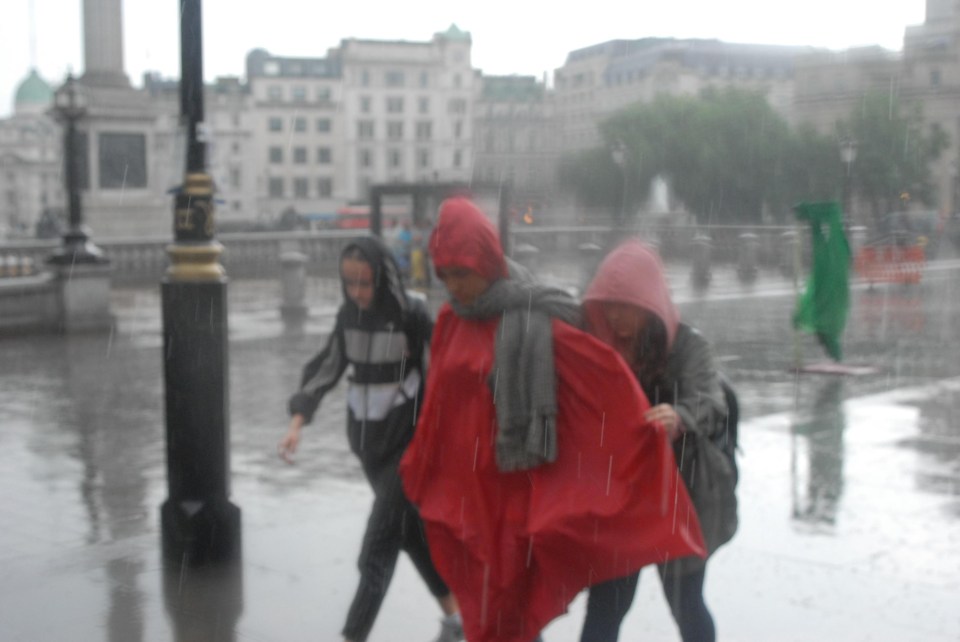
(70, 105)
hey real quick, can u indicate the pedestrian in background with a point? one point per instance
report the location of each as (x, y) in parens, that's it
(532, 467)
(419, 259)
(628, 306)
(383, 334)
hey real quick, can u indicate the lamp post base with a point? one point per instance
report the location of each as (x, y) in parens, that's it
(77, 248)
(200, 532)
(84, 295)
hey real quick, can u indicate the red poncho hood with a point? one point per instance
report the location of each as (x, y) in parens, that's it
(632, 273)
(464, 237)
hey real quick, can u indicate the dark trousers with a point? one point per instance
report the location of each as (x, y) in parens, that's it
(608, 603)
(393, 525)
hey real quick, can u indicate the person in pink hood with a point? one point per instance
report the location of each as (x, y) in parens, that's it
(628, 306)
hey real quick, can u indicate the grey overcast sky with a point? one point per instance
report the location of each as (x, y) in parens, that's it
(508, 37)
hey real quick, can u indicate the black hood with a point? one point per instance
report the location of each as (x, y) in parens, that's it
(390, 298)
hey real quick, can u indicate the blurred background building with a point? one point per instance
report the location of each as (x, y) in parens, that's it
(298, 138)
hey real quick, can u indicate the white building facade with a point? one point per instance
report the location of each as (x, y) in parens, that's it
(407, 110)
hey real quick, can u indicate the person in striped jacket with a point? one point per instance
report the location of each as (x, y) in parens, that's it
(382, 333)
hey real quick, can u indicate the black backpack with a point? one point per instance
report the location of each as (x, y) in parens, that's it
(727, 440)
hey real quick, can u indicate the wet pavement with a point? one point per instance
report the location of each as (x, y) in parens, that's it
(849, 492)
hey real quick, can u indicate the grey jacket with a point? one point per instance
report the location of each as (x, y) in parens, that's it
(691, 383)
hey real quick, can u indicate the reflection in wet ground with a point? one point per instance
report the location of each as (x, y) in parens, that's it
(938, 444)
(818, 440)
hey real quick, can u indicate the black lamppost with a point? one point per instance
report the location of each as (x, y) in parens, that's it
(848, 154)
(198, 522)
(70, 105)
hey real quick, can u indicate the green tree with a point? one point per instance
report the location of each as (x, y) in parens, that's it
(895, 149)
(721, 151)
(808, 170)
(599, 182)
(728, 156)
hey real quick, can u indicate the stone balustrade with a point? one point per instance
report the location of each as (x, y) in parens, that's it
(136, 261)
(30, 299)
(258, 255)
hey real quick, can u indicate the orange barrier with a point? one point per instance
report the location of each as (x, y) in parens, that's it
(890, 263)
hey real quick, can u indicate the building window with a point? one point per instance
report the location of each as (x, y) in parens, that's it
(324, 94)
(394, 158)
(324, 187)
(123, 160)
(364, 183)
(235, 147)
(275, 124)
(458, 129)
(393, 78)
(299, 155)
(323, 124)
(366, 158)
(457, 158)
(276, 187)
(457, 106)
(235, 177)
(324, 155)
(423, 104)
(365, 103)
(935, 78)
(365, 129)
(424, 130)
(276, 154)
(424, 79)
(395, 130)
(301, 187)
(365, 78)
(275, 93)
(299, 93)
(271, 68)
(457, 81)
(395, 105)
(299, 124)
(423, 158)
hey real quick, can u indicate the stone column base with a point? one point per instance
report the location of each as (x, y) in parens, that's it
(84, 297)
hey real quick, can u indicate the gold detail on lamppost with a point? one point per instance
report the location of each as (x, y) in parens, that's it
(194, 256)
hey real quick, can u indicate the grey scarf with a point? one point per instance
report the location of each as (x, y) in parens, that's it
(523, 379)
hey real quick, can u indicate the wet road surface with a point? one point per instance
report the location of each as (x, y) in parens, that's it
(849, 493)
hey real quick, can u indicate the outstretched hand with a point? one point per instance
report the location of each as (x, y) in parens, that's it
(288, 445)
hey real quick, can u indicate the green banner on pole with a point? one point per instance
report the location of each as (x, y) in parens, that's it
(822, 308)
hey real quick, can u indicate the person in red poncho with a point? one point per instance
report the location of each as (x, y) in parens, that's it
(628, 306)
(533, 470)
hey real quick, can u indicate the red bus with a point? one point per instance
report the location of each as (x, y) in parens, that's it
(357, 217)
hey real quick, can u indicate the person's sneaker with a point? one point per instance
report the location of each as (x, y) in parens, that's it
(451, 629)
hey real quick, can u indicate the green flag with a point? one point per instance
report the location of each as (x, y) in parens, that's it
(823, 307)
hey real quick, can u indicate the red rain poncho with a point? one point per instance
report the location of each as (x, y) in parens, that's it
(516, 548)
